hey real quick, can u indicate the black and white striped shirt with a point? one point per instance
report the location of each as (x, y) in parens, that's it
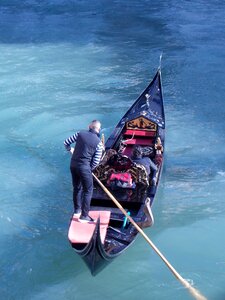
(88, 148)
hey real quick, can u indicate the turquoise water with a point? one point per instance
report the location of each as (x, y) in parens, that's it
(64, 63)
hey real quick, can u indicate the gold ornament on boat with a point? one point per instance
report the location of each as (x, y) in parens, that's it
(141, 123)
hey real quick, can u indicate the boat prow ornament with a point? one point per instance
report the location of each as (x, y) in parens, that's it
(141, 123)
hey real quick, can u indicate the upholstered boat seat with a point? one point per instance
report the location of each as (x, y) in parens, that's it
(139, 174)
(120, 163)
(116, 163)
(137, 137)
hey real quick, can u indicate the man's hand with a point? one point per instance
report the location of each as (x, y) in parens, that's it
(71, 150)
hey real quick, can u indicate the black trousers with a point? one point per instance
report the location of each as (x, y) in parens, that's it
(82, 188)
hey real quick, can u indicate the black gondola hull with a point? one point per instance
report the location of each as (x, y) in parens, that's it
(145, 116)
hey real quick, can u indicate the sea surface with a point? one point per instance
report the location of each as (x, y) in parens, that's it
(66, 62)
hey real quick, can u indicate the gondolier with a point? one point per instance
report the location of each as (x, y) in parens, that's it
(85, 157)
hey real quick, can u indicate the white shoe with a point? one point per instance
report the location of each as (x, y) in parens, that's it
(86, 219)
(77, 214)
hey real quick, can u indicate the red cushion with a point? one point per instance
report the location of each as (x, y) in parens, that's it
(80, 233)
(139, 133)
(138, 141)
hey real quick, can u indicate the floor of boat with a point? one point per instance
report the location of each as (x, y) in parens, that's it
(132, 195)
(118, 239)
(120, 232)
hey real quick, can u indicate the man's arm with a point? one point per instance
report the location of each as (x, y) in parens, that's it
(69, 141)
(97, 156)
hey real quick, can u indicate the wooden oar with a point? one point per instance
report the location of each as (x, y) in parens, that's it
(195, 293)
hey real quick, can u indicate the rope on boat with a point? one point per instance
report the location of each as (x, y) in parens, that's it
(124, 141)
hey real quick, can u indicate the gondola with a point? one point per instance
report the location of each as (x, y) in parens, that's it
(101, 242)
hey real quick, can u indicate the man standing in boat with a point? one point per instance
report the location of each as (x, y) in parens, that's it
(86, 155)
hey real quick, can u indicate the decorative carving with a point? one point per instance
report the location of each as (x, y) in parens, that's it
(141, 123)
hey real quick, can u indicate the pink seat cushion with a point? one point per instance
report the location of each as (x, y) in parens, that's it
(140, 133)
(138, 141)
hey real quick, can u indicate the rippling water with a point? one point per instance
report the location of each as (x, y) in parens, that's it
(65, 62)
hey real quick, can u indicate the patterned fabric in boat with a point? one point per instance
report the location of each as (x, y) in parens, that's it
(139, 174)
(117, 163)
